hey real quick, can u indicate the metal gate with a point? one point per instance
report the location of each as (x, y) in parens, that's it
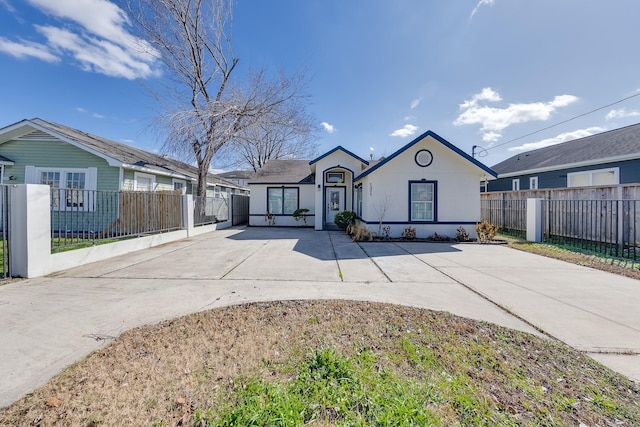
(4, 231)
(239, 209)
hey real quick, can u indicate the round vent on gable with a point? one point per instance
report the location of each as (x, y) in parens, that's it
(424, 158)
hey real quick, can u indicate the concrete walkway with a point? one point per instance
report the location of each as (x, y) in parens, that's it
(50, 322)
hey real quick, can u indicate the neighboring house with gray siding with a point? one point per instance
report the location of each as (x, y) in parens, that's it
(604, 159)
(37, 151)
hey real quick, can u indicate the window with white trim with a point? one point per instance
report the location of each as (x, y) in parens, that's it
(144, 182)
(180, 184)
(600, 177)
(533, 183)
(515, 185)
(73, 189)
(422, 201)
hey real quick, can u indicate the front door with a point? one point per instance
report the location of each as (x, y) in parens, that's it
(334, 197)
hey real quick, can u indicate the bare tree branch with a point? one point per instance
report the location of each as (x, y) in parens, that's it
(209, 105)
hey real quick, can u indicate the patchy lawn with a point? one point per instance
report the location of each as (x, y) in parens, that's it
(330, 363)
(578, 256)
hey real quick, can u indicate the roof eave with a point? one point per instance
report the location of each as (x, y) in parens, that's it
(35, 125)
(631, 156)
(341, 148)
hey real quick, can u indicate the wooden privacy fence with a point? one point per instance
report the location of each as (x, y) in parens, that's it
(604, 219)
(144, 212)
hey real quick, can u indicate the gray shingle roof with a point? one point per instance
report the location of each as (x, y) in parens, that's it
(237, 174)
(603, 146)
(129, 155)
(284, 172)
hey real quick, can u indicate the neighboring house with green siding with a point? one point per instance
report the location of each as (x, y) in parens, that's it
(37, 151)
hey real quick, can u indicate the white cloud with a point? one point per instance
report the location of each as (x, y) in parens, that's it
(494, 120)
(415, 103)
(8, 6)
(97, 55)
(480, 4)
(405, 131)
(621, 114)
(94, 115)
(94, 33)
(25, 49)
(329, 128)
(563, 137)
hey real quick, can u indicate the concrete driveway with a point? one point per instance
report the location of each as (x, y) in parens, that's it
(51, 322)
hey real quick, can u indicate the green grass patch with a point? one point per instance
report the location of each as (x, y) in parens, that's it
(332, 363)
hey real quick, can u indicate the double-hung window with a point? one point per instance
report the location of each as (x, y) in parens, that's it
(282, 200)
(71, 189)
(422, 201)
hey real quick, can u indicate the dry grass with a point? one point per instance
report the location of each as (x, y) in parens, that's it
(162, 374)
(621, 267)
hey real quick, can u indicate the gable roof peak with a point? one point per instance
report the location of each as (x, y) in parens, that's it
(338, 148)
(438, 138)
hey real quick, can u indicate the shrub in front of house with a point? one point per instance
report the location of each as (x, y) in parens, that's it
(486, 231)
(344, 219)
(301, 214)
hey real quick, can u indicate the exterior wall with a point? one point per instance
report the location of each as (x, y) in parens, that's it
(258, 205)
(55, 154)
(386, 197)
(163, 183)
(629, 174)
(338, 161)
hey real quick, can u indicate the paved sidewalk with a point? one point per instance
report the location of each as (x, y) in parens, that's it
(51, 322)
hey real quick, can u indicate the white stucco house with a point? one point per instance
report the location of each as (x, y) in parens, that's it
(429, 185)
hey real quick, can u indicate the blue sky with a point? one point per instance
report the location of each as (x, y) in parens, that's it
(476, 72)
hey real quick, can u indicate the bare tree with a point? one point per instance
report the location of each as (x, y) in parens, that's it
(210, 103)
(287, 132)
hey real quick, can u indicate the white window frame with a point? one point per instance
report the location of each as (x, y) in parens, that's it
(138, 175)
(515, 184)
(590, 173)
(33, 175)
(533, 183)
(182, 182)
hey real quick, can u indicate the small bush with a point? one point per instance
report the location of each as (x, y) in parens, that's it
(409, 233)
(462, 235)
(301, 214)
(344, 219)
(486, 231)
(386, 232)
(360, 233)
(439, 238)
(270, 218)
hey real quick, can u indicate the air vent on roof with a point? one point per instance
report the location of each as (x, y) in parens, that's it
(36, 135)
